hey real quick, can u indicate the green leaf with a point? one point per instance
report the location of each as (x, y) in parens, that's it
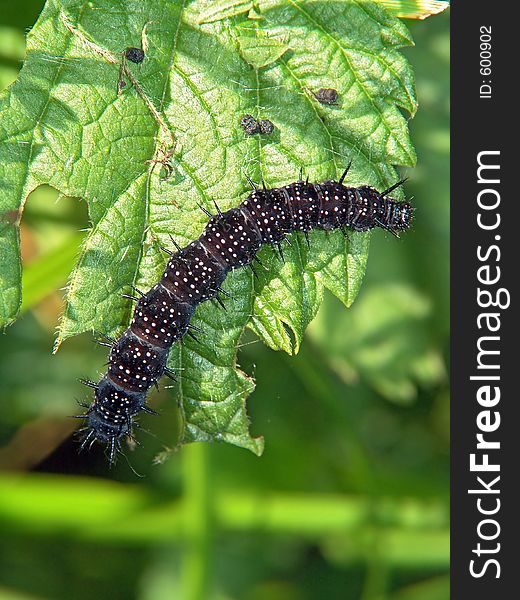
(415, 9)
(258, 48)
(387, 342)
(210, 11)
(145, 159)
(208, 374)
(408, 9)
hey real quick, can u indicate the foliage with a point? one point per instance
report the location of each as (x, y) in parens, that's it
(350, 499)
(64, 123)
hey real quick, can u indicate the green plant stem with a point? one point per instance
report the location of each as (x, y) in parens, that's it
(414, 532)
(197, 521)
(48, 272)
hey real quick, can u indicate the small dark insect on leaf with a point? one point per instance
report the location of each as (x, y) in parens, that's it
(266, 127)
(249, 124)
(135, 55)
(327, 96)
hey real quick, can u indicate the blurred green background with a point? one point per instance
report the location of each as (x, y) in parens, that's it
(350, 499)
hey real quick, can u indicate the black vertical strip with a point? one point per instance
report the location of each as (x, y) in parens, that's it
(484, 251)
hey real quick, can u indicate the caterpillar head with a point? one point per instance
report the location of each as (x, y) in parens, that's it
(109, 418)
(400, 217)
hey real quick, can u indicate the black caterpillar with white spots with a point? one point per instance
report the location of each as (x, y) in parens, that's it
(195, 273)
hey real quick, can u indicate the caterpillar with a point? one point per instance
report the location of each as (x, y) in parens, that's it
(194, 274)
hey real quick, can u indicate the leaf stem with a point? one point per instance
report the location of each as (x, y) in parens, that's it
(198, 522)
